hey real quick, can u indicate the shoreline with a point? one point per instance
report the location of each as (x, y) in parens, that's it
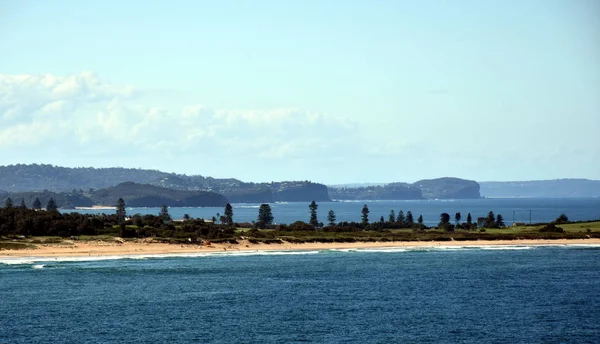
(128, 248)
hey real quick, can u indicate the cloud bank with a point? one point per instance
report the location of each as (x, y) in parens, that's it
(85, 115)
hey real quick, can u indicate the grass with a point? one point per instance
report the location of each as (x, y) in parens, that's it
(15, 246)
(572, 231)
(578, 230)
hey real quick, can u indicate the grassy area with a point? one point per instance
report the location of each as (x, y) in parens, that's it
(15, 246)
(572, 231)
(580, 230)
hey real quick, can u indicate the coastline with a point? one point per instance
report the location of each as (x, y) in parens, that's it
(132, 248)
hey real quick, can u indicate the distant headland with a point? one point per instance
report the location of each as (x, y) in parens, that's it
(87, 187)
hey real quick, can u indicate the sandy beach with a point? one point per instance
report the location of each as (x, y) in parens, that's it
(104, 248)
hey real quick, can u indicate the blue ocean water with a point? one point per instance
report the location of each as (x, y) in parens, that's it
(542, 210)
(438, 295)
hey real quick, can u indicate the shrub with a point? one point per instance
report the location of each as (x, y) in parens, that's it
(551, 228)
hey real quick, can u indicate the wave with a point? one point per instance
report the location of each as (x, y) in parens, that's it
(35, 261)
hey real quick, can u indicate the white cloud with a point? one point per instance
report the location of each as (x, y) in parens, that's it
(78, 112)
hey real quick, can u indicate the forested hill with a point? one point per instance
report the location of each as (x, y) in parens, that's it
(135, 195)
(55, 178)
(558, 188)
(441, 188)
(448, 188)
(65, 180)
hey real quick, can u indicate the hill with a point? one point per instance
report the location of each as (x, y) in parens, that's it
(441, 188)
(558, 188)
(448, 188)
(140, 195)
(65, 180)
(391, 191)
(135, 195)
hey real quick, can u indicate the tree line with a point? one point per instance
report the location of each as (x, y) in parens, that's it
(35, 221)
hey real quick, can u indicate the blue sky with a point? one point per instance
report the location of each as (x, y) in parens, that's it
(329, 91)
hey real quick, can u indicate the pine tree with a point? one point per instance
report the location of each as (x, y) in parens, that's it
(392, 217)
(37, 205)
(265, 215)
(499, 220)
(164, 214)
(490, 220)
(23, 205)
(51, 206)
(313, 214)
(401, 218)
(365, 215)
(121, 212)
(469, 219)
(457, 218)
(409, 219)
(420, 219)
(331, 217)
(8, 204)
(228, 214)
(444, 219)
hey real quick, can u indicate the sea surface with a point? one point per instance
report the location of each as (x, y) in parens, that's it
(514, 294)
(519, 209)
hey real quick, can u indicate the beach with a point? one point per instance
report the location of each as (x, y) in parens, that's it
(99, 248)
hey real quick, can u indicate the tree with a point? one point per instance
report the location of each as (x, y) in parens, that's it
(121, 212)
(51, 206)
(265, 215)
(401, 218)
(218, 217)
(499, 220)
(420, 219)
(8, 204)
(365, 215)
(457, 218)
(228, 214)
(490, 220)
(381, 219)
(186, 217)
(164, 214)
(562, 218)
(445, 222)
(331, 217)
(409, 219)
(37, 205)
(313, 214)
(469, 219)
(23, 205)
(444, 219)
(392, 217)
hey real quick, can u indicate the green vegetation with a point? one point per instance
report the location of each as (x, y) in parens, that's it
(312, 207)
(19, 223)
(265, 216)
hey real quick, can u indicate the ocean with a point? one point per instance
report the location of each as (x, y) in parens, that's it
(519, 209)
(513, 294)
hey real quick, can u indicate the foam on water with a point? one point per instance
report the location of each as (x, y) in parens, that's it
(33, 260)
(391, 249)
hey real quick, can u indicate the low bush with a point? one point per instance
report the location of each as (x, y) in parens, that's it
(551, 228)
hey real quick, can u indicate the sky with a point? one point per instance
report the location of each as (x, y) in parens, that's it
(328, 91)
